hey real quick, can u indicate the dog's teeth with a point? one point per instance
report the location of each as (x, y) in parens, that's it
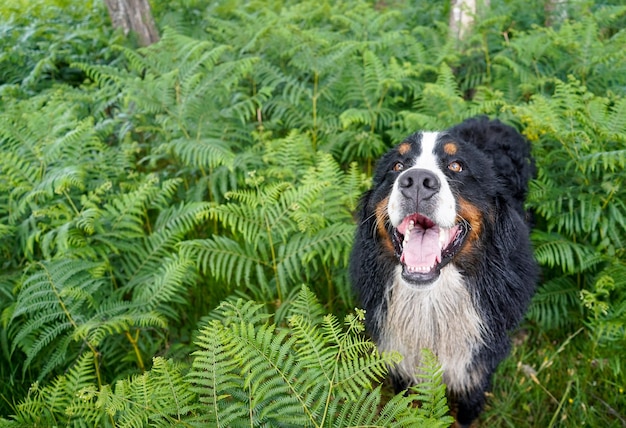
(443, 238)
(408, 230)
(419, 269)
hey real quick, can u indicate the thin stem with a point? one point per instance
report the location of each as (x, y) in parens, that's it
(96, 364)
(69, 199)
(268, 229)
(316, 78)
(553, 421)
(487, 57)
(134, 341)
(331, 288)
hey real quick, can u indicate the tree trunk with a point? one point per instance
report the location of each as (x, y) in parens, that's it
(135, 16)
(462, 16)
(556, 12)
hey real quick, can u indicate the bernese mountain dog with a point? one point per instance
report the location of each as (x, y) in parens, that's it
(442, 257)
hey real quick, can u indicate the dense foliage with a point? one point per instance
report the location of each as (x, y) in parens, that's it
(162, 207)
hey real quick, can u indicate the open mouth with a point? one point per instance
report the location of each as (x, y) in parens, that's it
(424, 248)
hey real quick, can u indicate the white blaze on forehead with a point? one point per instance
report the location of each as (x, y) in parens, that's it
(427, 159)
(445, 213)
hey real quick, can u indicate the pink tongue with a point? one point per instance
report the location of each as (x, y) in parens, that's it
(422, 250)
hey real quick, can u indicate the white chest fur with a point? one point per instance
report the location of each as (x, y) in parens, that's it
(442, 319)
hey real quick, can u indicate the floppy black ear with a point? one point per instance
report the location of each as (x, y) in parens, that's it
(509, 151)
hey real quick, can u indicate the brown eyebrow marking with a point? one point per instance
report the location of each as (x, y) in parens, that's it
(404, 148)
(450, 148)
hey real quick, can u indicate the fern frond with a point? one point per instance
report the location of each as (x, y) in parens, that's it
(255, 218)
(553, 250)
(299, 257)
(431, 392)
(48, 310)
(168, 285)
(440, 105)
(181, 219)
(205, 153)
(611, 161)
(125, 212)
(159, 397)
(555, 304)
(144, 256)
(226, 259)
(338, 193)
(314, 349)
(61, 400)
(212, 375)
(310, 374)
(257, 352)
(118, 318)
(307, 307)
(288, 158)
(362, 411)
(238, 311)
(272, 371)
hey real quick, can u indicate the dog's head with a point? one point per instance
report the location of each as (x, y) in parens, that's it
(435, 193)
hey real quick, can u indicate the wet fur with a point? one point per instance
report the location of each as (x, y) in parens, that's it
(482, 294)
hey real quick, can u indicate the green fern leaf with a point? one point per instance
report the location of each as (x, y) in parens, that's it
(228, 260)
(555, 250)
(51, 310)
(555, 304)
(431, 392)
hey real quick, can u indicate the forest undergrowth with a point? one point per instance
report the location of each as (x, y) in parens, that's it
(176, 220)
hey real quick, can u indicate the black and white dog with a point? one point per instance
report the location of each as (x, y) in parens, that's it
(442, 257)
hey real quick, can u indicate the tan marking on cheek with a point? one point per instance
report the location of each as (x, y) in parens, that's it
(382, 217)
(474, 217)
(404, 148)
(450, 148)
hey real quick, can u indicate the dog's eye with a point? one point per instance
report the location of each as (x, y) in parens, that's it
(398, 166)
(455, 166)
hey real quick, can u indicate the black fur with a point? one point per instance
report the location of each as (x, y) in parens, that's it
(498, 270)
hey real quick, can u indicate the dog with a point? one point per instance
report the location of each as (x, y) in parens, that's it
(442, 257)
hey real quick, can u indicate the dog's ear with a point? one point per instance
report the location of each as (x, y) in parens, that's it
(509, 151)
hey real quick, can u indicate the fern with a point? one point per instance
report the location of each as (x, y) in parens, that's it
(557, 304)
(583, 45)
(159, 397)
(316, 372)
(280, 234)
(82, 240)
(576, 194)
(554, 250)
(324, 377)
(53, 298)
(430, 391)
(59, 401)
(226, 161)
(50, 37)
(581, 118)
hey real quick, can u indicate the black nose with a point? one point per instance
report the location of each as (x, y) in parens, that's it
(419, 184)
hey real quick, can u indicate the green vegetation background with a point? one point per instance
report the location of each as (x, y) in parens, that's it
(176, 220)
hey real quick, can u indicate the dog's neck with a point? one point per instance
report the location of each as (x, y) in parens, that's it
(441, 318)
